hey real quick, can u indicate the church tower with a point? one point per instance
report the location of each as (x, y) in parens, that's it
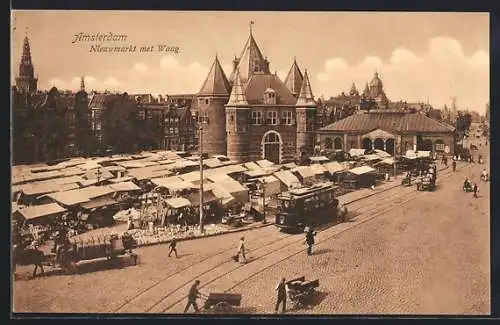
(26, 81)
(305, 115)
(237, 122)
(212, 97)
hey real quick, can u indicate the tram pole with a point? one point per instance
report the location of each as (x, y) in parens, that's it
(264, 221)
(395, 166)
(200, 148)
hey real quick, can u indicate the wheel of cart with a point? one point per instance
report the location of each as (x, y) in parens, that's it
(222, 302)
(301, 292)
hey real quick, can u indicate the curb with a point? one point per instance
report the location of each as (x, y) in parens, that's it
(269, 223)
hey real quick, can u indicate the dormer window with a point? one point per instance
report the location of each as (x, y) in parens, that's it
(256, 67)
(269, 96)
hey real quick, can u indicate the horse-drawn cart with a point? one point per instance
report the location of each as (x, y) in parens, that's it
(110, 248)
(301, 292)
(222, 302)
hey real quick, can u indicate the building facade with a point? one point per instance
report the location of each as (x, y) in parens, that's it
(254, 115)
(391, 131)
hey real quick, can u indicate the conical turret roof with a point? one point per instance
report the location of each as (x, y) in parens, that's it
(216, 83)
(366, 92)
(237, 94)
(306, 97)
(294, 79)
(251, 60)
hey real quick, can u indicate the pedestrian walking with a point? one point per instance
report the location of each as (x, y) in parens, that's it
(475, 189)
(173, 249)
(281, 290)
(241, 250)
(310, 240)
(192, 296)
(454, 165)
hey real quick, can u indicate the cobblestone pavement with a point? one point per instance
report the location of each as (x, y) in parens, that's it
(401, 261)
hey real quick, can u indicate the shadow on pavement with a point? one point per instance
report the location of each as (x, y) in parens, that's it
(322, 251)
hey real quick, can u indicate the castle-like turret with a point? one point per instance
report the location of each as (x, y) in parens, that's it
(26, 81)
(306, 114)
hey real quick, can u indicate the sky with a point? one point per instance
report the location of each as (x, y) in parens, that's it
(419, 56)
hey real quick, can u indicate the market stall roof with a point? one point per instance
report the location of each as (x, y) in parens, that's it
(89, 165)
(47, 187)
(45, 168)
(165, 162)
(96, 191)
(251, 165)
(214, 177)
(362, 170)
(212, 162)
(318, 169)
(43, 210)
(290, 165)
(256, 173)
(161, 181)
(334, 167)
(72, 171)
(69, 198)
(125, 187)
(287, 178)
(27, 177)
(387, 161)
(267, 179)
(129, 164)
(193, 158)
(114, 168)
(175, 185)
(99, 202)
(371, 157)
(382, 153)
(149, 172)
(191, 176)
(181, 163)
(68, 180)
(264, 163)
(120, 179)
(229, 169)
(208, 197)
(103, 174)
(410, 154)
(178, 202)
(319, 159)
(220, 192)
(304, 171)
(231, 185)
(356, 152)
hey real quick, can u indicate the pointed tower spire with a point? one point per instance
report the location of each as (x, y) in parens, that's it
(354, 90)
(216, 83)
(366, 92)
(26, 80)
(306, 97)
(82, 83)
(237, 96)
(294, 79)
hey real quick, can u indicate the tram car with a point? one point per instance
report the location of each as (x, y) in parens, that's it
(306, 206)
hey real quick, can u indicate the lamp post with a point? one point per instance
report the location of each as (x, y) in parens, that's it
(200, 148)
(264, 221)
(98, 173)
(395, 166)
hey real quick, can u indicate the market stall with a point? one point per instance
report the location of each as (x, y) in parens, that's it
(287, 180)
(304, 174)
(363, 176)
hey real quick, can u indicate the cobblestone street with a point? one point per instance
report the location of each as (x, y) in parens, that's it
(403, 252)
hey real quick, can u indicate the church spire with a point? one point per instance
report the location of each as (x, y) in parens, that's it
(216, 83)
(366, 92)
(82, 83)
(294, 79)
(26, 80)
(306, 97)
(237, 94)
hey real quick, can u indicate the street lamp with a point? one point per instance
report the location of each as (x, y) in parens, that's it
(98, 173)
(264, 221)
(200, 148)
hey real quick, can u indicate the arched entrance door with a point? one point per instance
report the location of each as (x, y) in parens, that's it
(427, 145)
(378, 144)
(337, 143)
(271, 146)
(389, 146)
(367, 144)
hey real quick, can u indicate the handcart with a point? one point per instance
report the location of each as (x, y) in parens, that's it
(222, 302)
(301, 292)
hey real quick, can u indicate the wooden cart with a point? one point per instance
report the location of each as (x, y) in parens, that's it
(222, 302)
(301, 292)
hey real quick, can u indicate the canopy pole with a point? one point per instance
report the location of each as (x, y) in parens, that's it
(200, 148)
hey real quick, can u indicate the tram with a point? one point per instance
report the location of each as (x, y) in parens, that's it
(306, 206)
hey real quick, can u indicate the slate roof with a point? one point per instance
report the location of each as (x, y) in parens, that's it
(258, 83)
(216, 82)
(401, 122)
(294, 79)
(249, 55)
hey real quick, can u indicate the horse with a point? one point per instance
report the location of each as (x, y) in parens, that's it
(28, 256)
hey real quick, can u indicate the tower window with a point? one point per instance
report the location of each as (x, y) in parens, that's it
(272, 118)
(287, 117)
(256, 118)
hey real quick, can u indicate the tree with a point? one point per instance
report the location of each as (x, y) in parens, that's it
(463, 121)
(118, 123)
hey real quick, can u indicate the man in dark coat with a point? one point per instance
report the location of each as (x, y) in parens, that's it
(281, 289)
(475, 189)
(310, 240)
(454, 164)
(173, 245)
(192, 296)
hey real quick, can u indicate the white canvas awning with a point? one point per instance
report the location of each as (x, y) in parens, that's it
(319, 159)
(38, 211)
(287, 178)
(125, 187)
(318, 169)
(304, 171)
(362, 170)
(178, 202)
(251, 165)
(356, 152)
(334, 167)
(382, 153)
(371, 157)
(264, 163)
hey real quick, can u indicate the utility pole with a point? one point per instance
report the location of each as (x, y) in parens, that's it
(98, 174)
(395, 166)
(200, 148)
(264, 221)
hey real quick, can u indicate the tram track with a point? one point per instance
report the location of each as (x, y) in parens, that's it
(404, 197)
(222, 263)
